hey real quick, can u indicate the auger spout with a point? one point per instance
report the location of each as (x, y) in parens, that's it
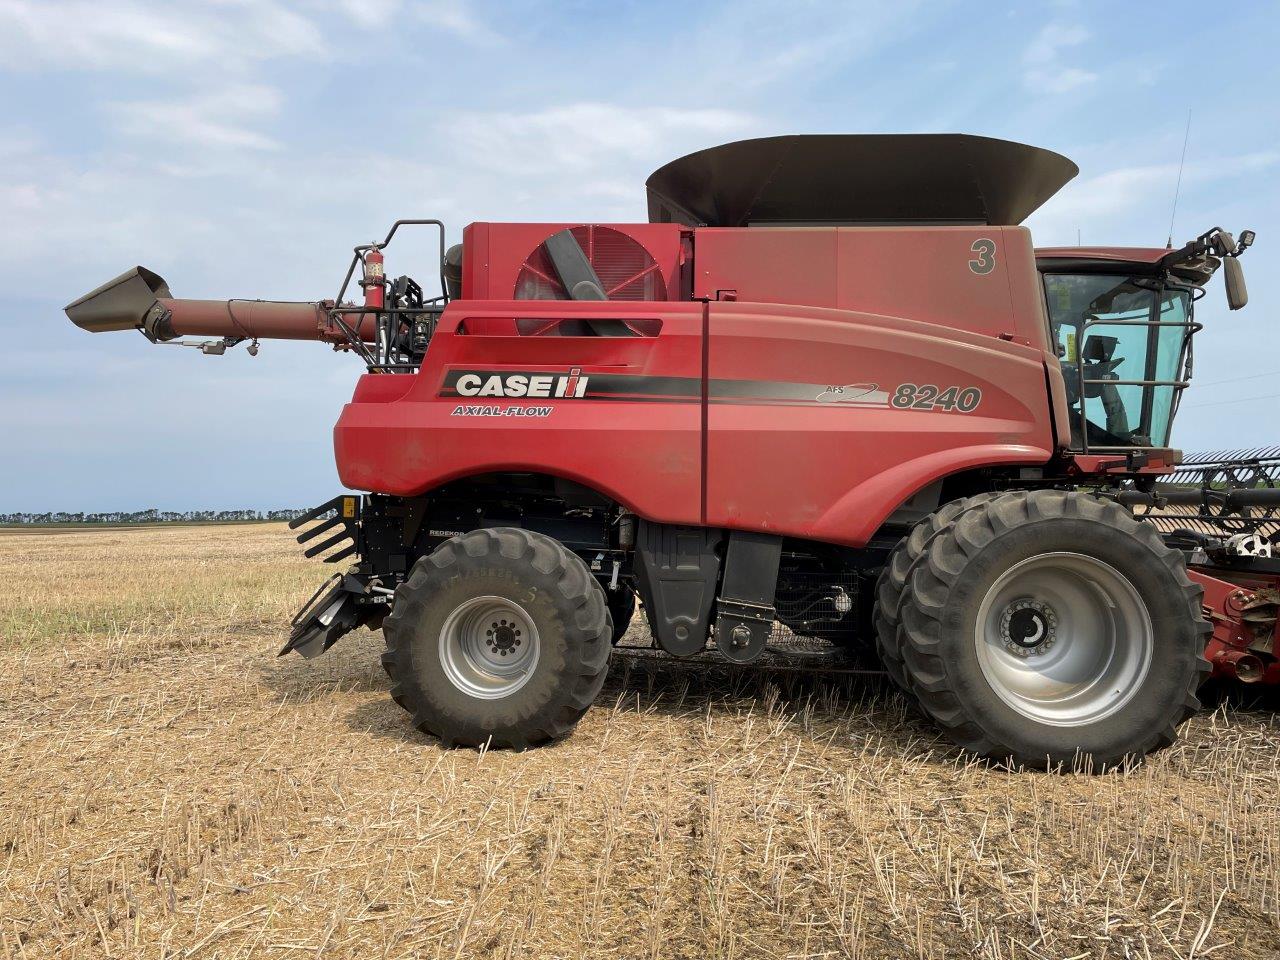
(139, 299)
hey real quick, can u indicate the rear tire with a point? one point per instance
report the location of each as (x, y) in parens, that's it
(501, 637)
(1047, 627)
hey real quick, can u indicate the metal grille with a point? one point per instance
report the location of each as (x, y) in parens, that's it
(625, 268)
(808, 604)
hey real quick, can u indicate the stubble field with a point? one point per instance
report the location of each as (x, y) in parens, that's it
(170, 789)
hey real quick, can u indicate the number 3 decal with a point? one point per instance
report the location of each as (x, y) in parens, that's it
(985, 261)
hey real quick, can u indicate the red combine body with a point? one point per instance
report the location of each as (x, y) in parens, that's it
(781, 378)
(830, 392)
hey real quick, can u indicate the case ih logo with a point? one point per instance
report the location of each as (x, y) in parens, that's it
(487, 383)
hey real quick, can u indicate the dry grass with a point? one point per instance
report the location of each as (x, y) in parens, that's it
(169, 789)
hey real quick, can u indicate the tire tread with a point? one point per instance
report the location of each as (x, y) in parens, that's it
(936, 562)
(589, 623)
(893, 579)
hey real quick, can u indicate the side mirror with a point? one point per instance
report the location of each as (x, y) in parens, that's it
(1233, 276)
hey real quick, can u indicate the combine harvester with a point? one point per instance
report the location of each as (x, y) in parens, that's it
(828, 390)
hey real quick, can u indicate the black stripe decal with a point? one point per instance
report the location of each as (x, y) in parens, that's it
(614, 383)
(638, 387)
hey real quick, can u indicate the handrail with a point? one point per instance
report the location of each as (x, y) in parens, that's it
(1177, 385)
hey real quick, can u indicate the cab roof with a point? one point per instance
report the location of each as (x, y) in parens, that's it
(1142, 255)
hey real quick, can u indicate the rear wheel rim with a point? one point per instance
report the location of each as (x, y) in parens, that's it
(489, 647)
(1064, 639)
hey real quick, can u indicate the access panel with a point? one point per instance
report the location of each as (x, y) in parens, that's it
(820, 422)
(502, 390)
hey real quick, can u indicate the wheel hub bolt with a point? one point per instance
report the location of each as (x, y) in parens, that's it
(1028, 628)
(502, 637)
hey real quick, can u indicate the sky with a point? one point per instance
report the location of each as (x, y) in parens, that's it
(240, 149)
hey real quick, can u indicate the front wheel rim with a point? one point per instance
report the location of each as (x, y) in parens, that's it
(1064, 639)
(489, 647)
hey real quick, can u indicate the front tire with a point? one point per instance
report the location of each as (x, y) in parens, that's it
(1049, 627)
(893, 581)
(500, 637)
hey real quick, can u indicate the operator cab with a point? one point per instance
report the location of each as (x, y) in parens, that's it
(1122, 323)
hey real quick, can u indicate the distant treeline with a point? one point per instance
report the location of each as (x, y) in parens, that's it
(149, 516)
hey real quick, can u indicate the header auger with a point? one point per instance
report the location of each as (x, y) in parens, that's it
(828, 407)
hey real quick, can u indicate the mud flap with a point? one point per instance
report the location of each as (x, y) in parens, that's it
(338, 607)
(677, 569)
(745, 608)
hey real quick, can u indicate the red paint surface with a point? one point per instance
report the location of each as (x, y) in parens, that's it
(799, 308)
(824, 471)
(1225, 594)
(834, 472)
(922, 273)
(644, 454)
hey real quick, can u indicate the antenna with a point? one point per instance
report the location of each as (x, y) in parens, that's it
(1178, 188)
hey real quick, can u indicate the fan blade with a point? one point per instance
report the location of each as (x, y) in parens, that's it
(574, 269)
(581, 281)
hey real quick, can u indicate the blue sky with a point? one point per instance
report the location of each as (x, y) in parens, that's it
(242, 148)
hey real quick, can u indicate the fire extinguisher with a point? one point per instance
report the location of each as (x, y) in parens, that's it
(374, 280)
(375, 301)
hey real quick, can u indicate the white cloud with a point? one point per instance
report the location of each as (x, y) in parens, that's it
(1100, 204)
(221, 119)
(1044, 70)
(191, 193)
(1065, 80)
(587, 137)
(749, 45)
(370, 14)
(456, 17)
(201, 217)
(1052, 39)
(135, 37)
